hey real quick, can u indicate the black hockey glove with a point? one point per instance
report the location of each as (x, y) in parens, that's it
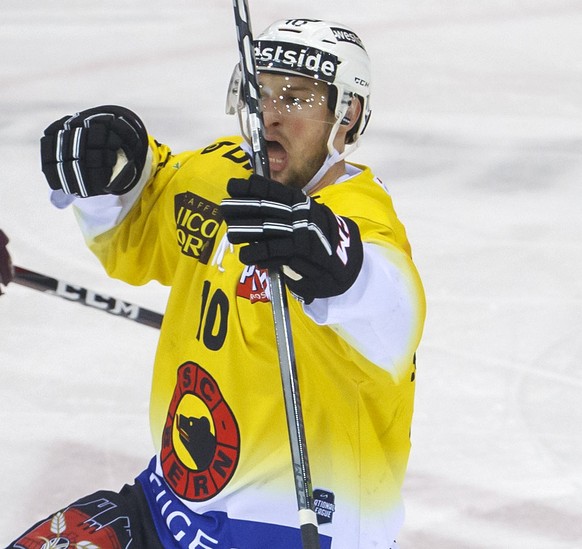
(97, 151)
(6, 268)
(321, 253)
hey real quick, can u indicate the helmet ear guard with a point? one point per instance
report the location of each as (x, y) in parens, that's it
(233, 96)
(235, 103)
(341, 112)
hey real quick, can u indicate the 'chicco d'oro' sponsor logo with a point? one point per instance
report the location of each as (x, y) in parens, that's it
(304, 60)
(197, 222)
(201, 440)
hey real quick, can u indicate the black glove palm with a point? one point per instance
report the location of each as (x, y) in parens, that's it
(285, 228)
(79, 153)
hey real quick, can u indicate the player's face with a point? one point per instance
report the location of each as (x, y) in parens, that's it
(297, 126)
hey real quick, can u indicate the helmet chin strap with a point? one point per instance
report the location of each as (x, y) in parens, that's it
(332, 158)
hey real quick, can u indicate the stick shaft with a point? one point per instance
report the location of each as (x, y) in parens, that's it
(289, 379)
(285, 348)
(85, 296)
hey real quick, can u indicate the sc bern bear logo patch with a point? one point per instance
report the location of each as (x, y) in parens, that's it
(201, 441)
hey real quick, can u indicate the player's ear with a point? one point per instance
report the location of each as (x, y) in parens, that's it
(352, 115)
(349, 121)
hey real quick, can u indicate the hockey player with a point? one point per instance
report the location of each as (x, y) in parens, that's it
(202, 223)
(6, 268)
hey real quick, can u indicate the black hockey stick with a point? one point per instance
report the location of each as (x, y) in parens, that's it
(303, 488)
(84, 296)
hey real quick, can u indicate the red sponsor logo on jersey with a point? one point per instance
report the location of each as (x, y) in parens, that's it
(254, 285)
(201, 440)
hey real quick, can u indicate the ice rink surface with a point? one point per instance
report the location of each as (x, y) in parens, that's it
(476, 129)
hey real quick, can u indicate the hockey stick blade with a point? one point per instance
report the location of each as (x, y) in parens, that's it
(85, 296)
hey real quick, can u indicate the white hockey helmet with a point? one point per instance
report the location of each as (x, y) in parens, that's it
(326, 51)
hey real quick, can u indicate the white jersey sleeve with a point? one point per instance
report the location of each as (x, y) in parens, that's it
(98, 214)
(379, 315)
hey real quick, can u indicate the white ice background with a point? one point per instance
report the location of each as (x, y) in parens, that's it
(477, 130)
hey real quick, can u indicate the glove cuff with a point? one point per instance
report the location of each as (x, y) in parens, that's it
(344, 264)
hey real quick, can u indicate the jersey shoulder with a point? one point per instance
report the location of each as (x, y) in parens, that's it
(207, 168)
(365, 199)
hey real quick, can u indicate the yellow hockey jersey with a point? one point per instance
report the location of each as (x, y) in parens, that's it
(217, 410)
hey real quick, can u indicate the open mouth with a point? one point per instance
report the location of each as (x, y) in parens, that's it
(278, 157)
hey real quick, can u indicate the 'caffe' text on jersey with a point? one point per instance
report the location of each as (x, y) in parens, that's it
(217, 410)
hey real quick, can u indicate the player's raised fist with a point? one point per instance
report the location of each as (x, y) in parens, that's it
(97, 151)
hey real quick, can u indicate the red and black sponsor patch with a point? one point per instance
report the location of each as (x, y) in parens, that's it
(201, 441)
(254, 284)
(92, 524)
